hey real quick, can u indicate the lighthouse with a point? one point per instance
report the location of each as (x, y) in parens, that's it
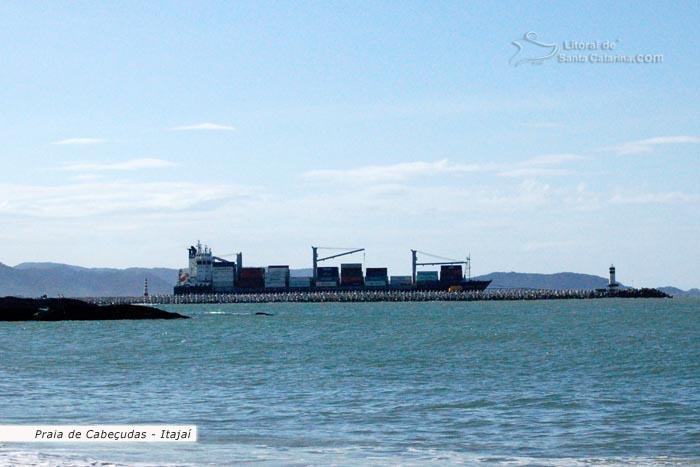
(613, 283)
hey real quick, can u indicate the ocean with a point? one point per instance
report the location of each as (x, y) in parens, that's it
(607, 382)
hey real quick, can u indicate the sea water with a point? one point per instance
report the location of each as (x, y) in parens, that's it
(562, 383)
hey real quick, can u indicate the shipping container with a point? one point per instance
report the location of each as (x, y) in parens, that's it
(326, 283)
(427, 276)
(223, 271)
(251, 278)
(351, 269)
(427, 279)
(352, 281)
(300, 282)
(223, 277)
(401, 281)
(328, 272)
(277, 276)
(376, 272)
(450, 275)
(375, 283)
(257, 273)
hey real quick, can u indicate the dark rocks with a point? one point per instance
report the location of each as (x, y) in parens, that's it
(638, 293)
(60, 309)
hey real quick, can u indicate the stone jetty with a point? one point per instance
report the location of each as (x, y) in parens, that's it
(384, 296)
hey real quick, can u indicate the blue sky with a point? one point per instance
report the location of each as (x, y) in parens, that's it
(131, 130)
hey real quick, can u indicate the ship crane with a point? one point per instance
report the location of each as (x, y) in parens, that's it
(317, 260)
(445, 261)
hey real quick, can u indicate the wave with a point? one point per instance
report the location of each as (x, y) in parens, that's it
(209, 455)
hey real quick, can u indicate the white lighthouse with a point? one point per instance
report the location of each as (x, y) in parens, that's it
(613, 283)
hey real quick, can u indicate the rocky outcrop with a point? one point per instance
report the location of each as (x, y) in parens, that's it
(61, 309)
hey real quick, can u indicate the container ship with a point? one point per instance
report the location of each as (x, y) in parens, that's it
(211, 274)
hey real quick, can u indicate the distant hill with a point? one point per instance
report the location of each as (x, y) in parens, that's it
(561, 280)
(52, 279)
(676, 292)
(36, 279)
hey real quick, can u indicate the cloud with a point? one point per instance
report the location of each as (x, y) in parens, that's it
(86, 177)
(673, 197)
(553, 159)
(538, 166)
(648, 145)
(380, 174)
(204, 127)
(545, 125)
(531, 172)
(133, 164)
(83, 200)
(393, 173)
(79, 141)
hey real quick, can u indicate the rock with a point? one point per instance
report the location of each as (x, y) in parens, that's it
(61, 309)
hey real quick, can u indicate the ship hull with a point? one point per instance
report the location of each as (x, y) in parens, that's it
(477, 286)
(466, 286)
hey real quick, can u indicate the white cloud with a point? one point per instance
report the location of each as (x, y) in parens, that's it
(133, 164)
(83, 200)
(534, 167)
(582, 199)
(648, 145)
(674, 197)
(86, 177)
(204, 126)
(529, 172)
(79, 141)
(373, 174)
(545, 125)
(553, 159)
(393, 173)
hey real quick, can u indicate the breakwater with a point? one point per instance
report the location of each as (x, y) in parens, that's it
(382, 296)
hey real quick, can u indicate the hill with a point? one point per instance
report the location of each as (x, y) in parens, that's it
(36, 279)
(676, 292)
(558, 281)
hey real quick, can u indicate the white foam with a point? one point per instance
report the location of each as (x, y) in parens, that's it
(28, 458)
(339, 456)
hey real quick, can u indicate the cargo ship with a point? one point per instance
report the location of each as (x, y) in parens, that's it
(207, 274)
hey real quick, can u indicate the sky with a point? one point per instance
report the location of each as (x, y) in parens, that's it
(536, 137)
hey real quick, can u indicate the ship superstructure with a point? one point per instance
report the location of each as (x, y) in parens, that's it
(199, 275)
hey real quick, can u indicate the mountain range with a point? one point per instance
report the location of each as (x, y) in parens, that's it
(54, 279)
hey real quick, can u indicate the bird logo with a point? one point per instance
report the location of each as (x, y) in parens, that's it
(531, 50)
